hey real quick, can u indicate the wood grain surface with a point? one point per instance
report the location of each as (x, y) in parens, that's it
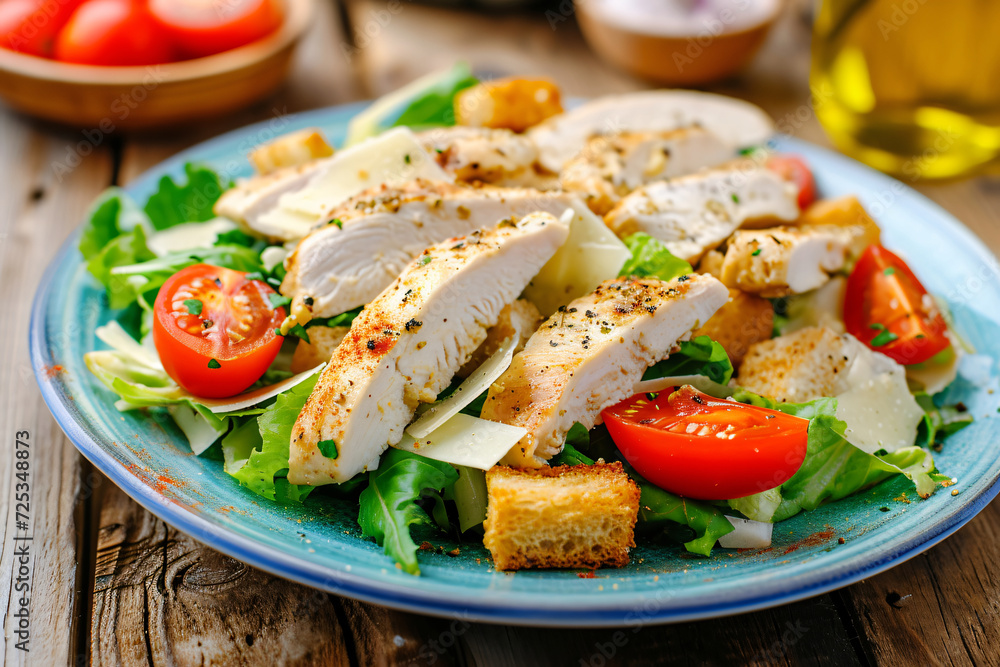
(113, 585)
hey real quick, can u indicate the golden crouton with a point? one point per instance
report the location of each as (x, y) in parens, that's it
(799, 366)
(323, 341)
(567, 516)
(517, 320)
(290, 150)
(711, 263)
(742, 321)
(845, 212)
(510, 103)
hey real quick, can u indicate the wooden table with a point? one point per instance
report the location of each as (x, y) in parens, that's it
(114, 585)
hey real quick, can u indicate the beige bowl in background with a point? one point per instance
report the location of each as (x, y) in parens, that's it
(672, 59)
(155, 95)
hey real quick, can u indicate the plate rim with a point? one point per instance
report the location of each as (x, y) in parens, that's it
(614, 614)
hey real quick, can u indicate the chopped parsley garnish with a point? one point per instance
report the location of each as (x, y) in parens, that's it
(889, 270)
(300, 331)
(756, 252)
(735, 197)
(328, 448)
(884, 336)
(338, 222)
(424, 261)
(193, 306)
(213, 364)
(406, 158)
(277, 300)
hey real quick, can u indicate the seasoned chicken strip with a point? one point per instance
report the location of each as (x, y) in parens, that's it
(693, 214)
(612, 166)
(345, 265)
(590, 354)
(787, 260)
(406, 345)
(500, 157)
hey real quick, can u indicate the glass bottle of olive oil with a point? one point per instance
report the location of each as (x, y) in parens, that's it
(911, 87)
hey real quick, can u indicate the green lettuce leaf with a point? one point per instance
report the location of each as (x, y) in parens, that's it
(436, 106)
(833, 467)
(939, 421)
(127, 281)
(173, 204)
(123, 250)
(389, 503)
(268, 460)
(651, 259)
(700, 356)
(111, 215)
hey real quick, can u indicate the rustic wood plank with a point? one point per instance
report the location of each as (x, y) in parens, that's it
(942, 607)
(162, 598)
(48, 183)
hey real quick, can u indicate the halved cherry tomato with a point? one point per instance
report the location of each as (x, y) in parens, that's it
(203, 27)
(795, 170)
(701, 447)
(214, 329)
(887, 309)
(113, 32)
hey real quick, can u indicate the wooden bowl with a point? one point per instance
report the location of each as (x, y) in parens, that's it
(673, 60)
(156, 95)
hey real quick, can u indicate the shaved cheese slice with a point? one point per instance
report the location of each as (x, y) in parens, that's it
(747, 534)
(188, 236)
(466, 441)
(114, 336)
(467, 392)
(252, 398)
(591, 255)
(699, 382)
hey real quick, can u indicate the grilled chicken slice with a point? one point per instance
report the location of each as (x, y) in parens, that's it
(791, 260)
(693, 214)
(406, 345)
(612, 166)
(345, 265)
(590, 354)
(251, 199)
(500, 157)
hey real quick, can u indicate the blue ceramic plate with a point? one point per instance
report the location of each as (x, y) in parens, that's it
(319, 544)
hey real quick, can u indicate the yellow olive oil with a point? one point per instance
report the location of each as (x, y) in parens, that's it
(911, 87)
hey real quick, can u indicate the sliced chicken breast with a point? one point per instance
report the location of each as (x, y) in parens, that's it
(345, 265)
(693, 214)
(590, 355)
(406, 345)
(612, 166)
(248, 201)
(471, 154)
(787, 260)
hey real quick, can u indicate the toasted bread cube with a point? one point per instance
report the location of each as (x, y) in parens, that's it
(742, 321)
(567, 516)
(290, 150)
(322, 342)
(510, 103)
(844, 212)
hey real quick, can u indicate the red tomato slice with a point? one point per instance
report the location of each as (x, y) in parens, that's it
(794, 169)
(887, 309)
(203, 27)
(214, 329)
(113, 32)
(705, 448)
(30, 26)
